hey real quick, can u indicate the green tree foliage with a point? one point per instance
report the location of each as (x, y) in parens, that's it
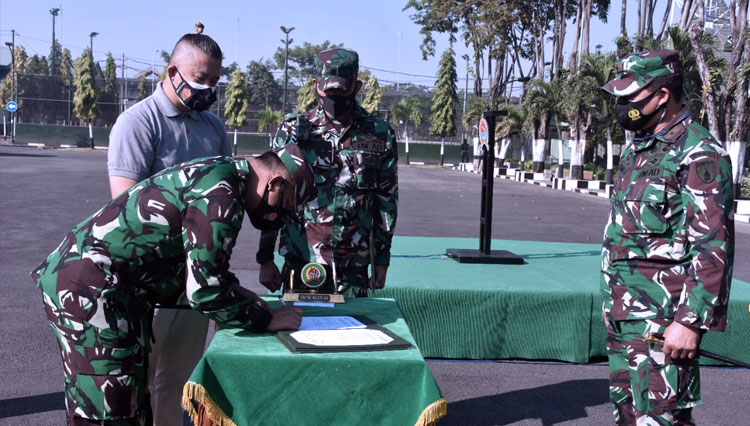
(110, 79)
(21, 60)
(407, 109)
(443, 120)
(142, 89)
(236, 94)
(475, 108)
(301, 59)
(510, 124)
(37, 65)
(84, 100)
(55, 58)
(373, 95)
(166, 57)
(306, 96)
(542, 98)
(228, 71)
(263, 89)
(268, 119)
(66, 64)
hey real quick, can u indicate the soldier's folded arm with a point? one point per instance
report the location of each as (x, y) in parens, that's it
(707, 194)
(386, 203)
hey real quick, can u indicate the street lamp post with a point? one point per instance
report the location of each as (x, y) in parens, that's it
(153, 70)
(91, 43)
(465, 57)
(398, 67)
(53, 12)
(13, 88)
(286, 62)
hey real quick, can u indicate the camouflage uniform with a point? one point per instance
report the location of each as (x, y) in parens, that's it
(168, 235)
(667, 253)
(355, 168)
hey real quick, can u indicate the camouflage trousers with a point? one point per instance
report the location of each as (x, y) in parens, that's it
(104, 348)
(646, 388)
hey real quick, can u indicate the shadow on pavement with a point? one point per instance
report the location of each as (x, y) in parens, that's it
(14, 154)
(551, 404)
(14, 407)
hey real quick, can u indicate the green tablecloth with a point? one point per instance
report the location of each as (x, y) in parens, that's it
(246, 378)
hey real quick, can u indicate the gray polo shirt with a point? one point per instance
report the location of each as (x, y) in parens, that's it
(154, 134)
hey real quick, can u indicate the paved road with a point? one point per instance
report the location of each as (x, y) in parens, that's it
(43, 193)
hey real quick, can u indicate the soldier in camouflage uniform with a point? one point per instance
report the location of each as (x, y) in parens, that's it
(353, 155)
(169, 235)
(668, 247)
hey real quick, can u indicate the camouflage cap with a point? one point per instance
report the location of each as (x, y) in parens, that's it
(336, 68)
(304, 181)
(636, 71)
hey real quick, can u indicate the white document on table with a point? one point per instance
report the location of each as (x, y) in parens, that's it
(342, 337)
(329, 323)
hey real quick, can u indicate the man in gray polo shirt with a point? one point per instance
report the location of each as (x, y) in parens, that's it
(170, 127)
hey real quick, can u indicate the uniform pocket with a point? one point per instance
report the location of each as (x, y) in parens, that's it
(365, 169)
(105, 397)
(645, 208)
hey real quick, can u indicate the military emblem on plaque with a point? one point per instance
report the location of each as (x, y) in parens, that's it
(312, 283)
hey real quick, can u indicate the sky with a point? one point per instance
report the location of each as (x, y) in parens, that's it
(378, 30)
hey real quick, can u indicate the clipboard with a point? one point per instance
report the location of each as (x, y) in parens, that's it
(299, 347)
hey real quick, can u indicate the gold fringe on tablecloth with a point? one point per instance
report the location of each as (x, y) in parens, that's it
(433, 413)
(195, 392)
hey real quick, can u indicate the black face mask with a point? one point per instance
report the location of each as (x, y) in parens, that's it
(194, 96)
(266, 217)
(337, 105)
(630, 113)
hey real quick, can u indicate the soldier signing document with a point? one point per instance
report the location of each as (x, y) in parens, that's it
(668, 246)
(168, 236)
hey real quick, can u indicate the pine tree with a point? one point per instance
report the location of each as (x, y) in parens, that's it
(142, 91)
(84, 100)
(373, 96)
(55, 58)
(110, 78)
(236, 106)
(263, 89)
(21, 60)
(66, 64)
(443, 120)
(306, 96)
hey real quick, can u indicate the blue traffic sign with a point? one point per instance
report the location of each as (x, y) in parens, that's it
(11, 106)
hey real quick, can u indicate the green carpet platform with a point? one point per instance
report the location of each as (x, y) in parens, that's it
(548, 308)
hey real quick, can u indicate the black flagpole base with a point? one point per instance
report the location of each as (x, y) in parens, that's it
(503, 257)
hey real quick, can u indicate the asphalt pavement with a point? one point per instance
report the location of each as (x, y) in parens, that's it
(44, 193)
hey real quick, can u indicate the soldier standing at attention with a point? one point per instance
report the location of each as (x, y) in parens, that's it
(353, 156)
(166, 238)
(172, 126)
(668, 247)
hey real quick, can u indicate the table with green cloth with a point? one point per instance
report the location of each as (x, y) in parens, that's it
(253, 379)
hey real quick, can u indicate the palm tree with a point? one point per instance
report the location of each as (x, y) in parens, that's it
(505, 128)
(600, 67)
(268, 119)
(580, 106)
(543, 100)
(404, 110)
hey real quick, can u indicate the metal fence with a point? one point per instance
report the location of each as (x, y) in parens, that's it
(44, 99)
